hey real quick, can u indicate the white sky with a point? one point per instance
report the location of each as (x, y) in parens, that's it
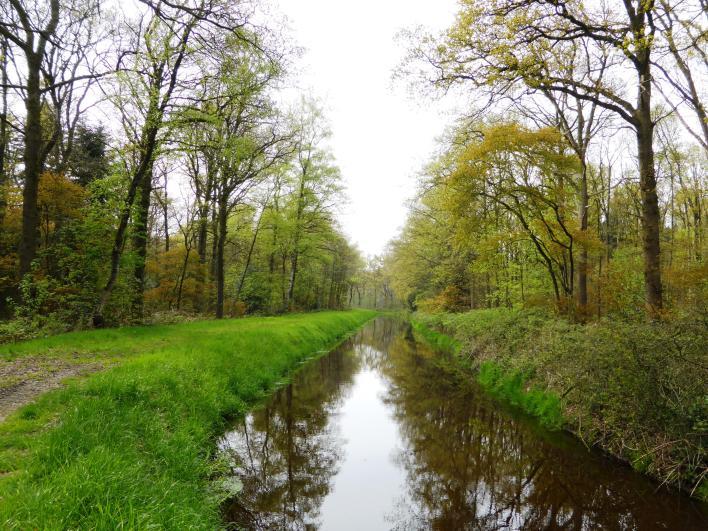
(381, 137)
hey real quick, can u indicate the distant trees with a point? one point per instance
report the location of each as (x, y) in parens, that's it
(317, 190)
(525, 175)
(495, 225)
(194, 195)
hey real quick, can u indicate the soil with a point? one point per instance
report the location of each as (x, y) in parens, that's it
(24, 379)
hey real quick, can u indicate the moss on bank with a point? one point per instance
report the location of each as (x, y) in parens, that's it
(132, 447)
(636, 390)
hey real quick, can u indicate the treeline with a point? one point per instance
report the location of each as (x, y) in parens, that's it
(581, 185)
(149, 163)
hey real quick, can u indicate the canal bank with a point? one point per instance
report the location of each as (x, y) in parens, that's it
(635, 390)
(132, 447)
(377, 435)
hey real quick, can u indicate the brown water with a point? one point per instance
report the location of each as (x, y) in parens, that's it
(377, 436)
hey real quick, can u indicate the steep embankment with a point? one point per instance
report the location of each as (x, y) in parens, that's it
(132, 446)
(636, 390)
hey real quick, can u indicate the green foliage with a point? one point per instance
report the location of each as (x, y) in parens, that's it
(132, 447)
(19, 329)
(61, 291)
(88, 160)
(497, 224)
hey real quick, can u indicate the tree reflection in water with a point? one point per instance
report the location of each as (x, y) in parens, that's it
(286, 452)
(465, 462)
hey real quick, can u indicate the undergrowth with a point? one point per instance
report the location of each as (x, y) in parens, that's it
(635, 389)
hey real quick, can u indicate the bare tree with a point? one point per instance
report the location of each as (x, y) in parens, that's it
(685, 34)
(579, 120)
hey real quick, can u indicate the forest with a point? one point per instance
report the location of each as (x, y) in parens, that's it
(584, 188)
(157, 163)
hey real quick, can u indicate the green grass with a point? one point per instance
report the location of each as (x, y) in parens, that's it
(133, 446)
(437, 340)
(512, 387)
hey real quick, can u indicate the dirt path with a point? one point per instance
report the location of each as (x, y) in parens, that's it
(24, 379)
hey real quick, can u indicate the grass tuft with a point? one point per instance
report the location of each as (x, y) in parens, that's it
(512, 387)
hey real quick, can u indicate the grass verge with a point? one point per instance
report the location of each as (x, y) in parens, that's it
(637, 390)
(437, 340)
(133, 446)
(512, 387)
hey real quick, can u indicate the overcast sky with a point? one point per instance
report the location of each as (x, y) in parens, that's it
(381, 137)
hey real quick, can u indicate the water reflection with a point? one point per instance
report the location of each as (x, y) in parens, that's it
(286, 452)
(377, 436)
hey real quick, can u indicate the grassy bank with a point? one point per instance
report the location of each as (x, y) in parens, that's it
(132, 446)
(634, 389)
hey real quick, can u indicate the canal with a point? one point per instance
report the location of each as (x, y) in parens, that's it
(378, 435)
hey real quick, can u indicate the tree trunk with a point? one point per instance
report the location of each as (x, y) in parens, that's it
(697, 231)
(222, 218)
(202, 237)
(332, 290)
(32, 159)
(144, 167)
(34, 153)
(250, 254)
(205, 201)
(291, 285)
(165, 219)
(650, 201)
(583, 255)
(140, 240)
(296, 244)
(3, 131)
(183, 273)
(214, 241)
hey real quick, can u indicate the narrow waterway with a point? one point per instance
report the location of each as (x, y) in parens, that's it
(376, 436)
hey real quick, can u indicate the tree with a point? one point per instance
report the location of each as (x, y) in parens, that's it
(504, 43)
(4, 125)
(316, 186)
(526, 173)
(89, 159)
(246, 140)
(161, 42)
(579, 121)
(685, 34)
(89, 210)
(35, 30)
